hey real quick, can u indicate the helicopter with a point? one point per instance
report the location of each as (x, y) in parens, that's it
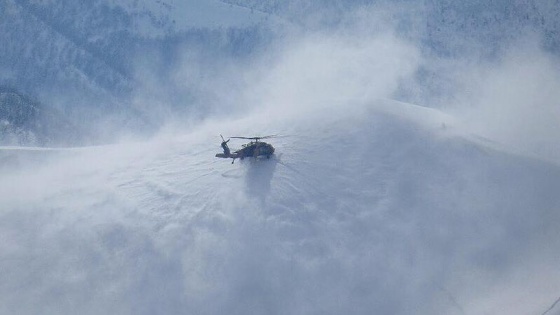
(255, 148)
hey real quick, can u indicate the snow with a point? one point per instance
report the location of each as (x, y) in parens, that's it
(370, 205)
(154, 18)
(382, 207)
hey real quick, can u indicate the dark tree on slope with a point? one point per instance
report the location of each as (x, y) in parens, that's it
(24, 121)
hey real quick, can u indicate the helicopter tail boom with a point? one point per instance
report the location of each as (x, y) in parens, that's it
(227, 156)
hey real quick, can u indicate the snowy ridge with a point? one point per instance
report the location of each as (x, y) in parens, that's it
(373, 208)
(160, 18)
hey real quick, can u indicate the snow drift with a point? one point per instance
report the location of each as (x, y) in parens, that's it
(382, 208)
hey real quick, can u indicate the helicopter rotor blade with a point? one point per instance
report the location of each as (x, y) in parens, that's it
(255, 138)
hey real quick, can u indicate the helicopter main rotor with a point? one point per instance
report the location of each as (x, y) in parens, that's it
(255, 138)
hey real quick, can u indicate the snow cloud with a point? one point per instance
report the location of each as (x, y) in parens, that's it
(371, 206)
(452, 232)
(302, 70)
(515, 99)
(320, 71)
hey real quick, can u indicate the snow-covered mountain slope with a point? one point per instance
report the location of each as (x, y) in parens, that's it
(163, 18)
(24, 121)
(85, 57)
(93, 60)
(384, 208)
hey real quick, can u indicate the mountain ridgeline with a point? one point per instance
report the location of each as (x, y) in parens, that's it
(89, 59)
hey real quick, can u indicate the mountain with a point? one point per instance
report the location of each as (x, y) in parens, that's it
(381, 207)
(103, 60)
(482, 27)
(24, 121)
(87, 58)
(370, 205)
(92, 44)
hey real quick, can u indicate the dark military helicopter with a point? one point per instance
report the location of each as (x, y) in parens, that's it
(255, 148)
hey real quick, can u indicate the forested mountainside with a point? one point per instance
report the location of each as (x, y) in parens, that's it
(25, 121)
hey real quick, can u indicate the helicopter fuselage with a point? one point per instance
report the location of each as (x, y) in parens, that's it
(254, 149)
